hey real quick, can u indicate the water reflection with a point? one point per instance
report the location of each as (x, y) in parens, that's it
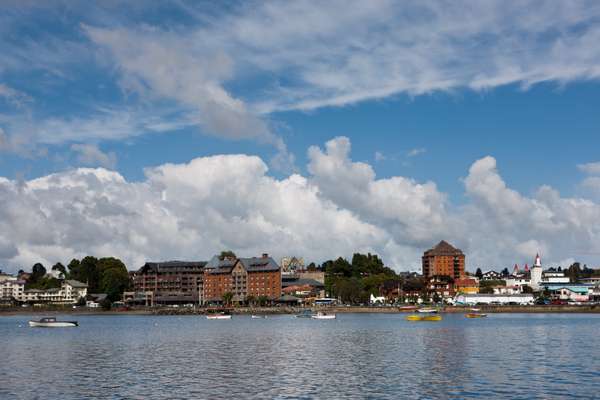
(355, 356)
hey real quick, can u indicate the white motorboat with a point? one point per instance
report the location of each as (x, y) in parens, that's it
(259, 316)
(218, 316)
(322, 315)
(427, 310)
(51, 322)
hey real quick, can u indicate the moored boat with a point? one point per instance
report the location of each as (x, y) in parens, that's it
(51, 322)
(427, 310)
(218, 316)
(322, 315)
(416, 317)
(254, 316)
(475, 315)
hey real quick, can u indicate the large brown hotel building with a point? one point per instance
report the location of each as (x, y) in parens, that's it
(242, 277)
(444, 259)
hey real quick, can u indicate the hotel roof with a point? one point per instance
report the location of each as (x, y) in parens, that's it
(444, 248)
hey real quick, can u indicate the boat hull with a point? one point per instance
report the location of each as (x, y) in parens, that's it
(323, 316)
(218, 317)
(424, 318)
(475, 315)
(58, 324)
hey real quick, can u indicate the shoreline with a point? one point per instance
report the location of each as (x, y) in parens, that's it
(158, 311)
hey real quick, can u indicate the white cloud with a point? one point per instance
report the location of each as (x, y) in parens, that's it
(379, 156)
(415, 152)
(190, 211)
(592, 168)
(91, 155)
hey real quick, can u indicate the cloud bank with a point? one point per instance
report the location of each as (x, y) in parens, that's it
(193, 210)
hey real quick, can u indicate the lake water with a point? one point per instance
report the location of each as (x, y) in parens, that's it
(376, 356)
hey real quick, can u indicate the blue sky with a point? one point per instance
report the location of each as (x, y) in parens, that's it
(420, 91)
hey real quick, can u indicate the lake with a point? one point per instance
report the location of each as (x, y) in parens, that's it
(357, 356)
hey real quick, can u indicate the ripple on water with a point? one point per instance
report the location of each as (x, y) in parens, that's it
(354, 357)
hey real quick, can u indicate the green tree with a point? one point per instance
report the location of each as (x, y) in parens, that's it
(527, 289)
(113, 277)
(251, 300)
(59, 267)
(227, 254)
(227, 297)
(262, 300)
(478, 273)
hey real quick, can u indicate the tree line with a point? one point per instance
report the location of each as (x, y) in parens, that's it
(102, 275)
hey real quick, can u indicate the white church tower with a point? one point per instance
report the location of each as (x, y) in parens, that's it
(536, 273)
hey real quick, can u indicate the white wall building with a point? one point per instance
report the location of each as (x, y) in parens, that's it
(12, 289)
(499, 299)
(70, 292)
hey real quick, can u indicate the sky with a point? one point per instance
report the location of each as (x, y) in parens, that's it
(173, 130)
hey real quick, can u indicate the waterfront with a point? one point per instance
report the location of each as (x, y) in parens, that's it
(356, 356)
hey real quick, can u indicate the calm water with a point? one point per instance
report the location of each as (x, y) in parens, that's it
(356, 356)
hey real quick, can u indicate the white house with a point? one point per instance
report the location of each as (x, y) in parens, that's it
(375, 300)
(499, 299)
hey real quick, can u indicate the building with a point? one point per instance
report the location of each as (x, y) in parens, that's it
(171, 282)
(442, 285)
(578, 293)
(11, 288)
(444, 259)
(70, 292)
(466, 285)
(494, 299)
(491, 276)
(242, 278)
(290, 265)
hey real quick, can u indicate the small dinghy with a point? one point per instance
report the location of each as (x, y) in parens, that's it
(218, 316)
(322, 315)
(475, 315)
(254, 316)
(416, 317)
(51, 322)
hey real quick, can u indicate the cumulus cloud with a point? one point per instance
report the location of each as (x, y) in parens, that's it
(91, 155)
(193, 210)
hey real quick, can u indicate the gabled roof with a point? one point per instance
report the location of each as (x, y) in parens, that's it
(259, 264)
(172, 266)
(252, 264)
(444, 248)
(75, 284)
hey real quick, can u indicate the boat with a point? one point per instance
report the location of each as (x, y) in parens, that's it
(322, 315)
(305, 314)
(416, 317)
(51, 322)
(254, 316)
(427, 310)
(475, 309)
(218, 316)
(475, 315)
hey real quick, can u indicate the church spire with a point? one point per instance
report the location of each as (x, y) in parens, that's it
(538, 261)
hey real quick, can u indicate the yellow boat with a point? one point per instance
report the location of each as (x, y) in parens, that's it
(424, 318)
(475, 315)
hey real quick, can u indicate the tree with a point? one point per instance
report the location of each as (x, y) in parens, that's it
(59, 267)
(311, 267)
(527, 289)
(251, 299)
(113, 277)
(262, 300)
(227, 254)
(227, 297)
(478, 273)
(38, 271)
